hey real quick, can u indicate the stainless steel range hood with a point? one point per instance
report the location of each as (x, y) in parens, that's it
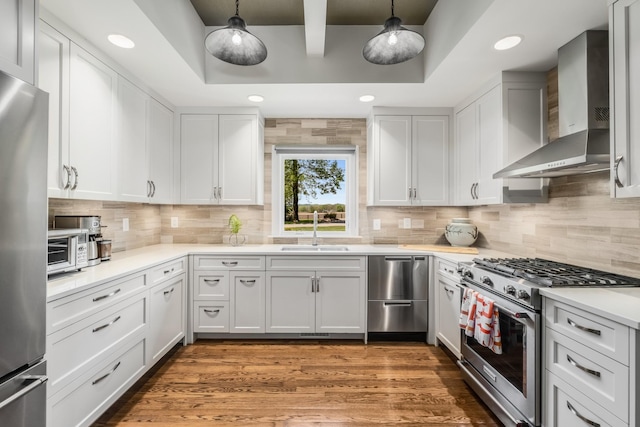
(583, 102)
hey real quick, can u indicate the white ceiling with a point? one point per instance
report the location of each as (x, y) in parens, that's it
(170, 58)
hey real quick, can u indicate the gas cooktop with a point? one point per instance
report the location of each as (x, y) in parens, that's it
(550, 273)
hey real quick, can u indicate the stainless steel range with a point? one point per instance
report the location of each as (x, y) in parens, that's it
(509, 383)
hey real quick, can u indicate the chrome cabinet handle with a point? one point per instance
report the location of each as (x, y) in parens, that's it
(36, 381)
(96, 381)
(230, 263)
(211, 281)
(75, 181)
(410, 193)
(68, 171)
(153, 189)
(615, 176)
(168, 271)
(211, 311)
(583, 328)
(318, 284)
(247, 282)
(579, 366)
(475, 191)
(471, 190)
(313, 285)
(101, 297)
(213, 193)
(106, 325)
(219, 193)
(148, 188)
(170, 291)
(449, 291)
(582, 417)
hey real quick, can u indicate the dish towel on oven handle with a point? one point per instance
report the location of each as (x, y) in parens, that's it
(479, 317)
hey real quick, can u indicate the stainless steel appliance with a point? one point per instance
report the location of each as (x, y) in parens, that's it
(510, 383)
(104, 249)
(67, 250)
(23, 233)
(92, 223)
(398, 293)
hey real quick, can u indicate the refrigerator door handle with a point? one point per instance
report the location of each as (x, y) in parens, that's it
(33, 381)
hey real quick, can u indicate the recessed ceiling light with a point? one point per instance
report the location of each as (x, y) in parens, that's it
(121, 41)
(255, 98)
(508, 42)
(367, 98)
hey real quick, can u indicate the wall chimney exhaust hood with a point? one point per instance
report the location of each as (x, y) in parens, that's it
(583, 102)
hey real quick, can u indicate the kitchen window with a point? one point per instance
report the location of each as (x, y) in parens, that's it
(308, 179)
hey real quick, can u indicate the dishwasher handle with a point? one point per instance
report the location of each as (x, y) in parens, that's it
(398, 258)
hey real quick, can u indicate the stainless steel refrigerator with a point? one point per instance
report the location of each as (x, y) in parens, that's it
(23, 235)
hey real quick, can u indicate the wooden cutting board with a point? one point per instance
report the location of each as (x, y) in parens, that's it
(442, 248)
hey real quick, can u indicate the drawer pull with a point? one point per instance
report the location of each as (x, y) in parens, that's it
(169, 271)
(398, 304)
(248, 282)
(230, 263)
(106, 296)
(170, 291)
(211, 311)
(582, 417)
(106, 325)
(94, 382)
(583, 328)
(211, 281)
(579, 366)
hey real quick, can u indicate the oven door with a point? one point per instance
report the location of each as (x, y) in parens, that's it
(514, 374)
(61, 253)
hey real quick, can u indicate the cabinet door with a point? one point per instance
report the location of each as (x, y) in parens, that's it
(430, 160)
(17, 41)
(53, 77)
(625, 22)
(391, 160)
(93, 101)
(290, 305)
(166, 317)
(447, 329)
(247, 302)
(340, 302)
(466, 155)
(133, 185)
(199, 158)
(238, 161)
(160, 151)
(489, 120)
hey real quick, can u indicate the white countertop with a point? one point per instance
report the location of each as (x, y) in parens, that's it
(128, 262)
(620, 305)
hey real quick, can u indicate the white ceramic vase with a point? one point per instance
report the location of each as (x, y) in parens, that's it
(461, 232)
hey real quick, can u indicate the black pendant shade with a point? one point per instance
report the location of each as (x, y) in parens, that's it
(394, 44)
(234, 44)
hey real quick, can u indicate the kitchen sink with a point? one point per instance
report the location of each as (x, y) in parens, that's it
(310, 248)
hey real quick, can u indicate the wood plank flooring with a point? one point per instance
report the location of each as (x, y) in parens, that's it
(301, 383)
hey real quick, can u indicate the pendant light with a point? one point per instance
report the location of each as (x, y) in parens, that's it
(394, 44)
(234, 44)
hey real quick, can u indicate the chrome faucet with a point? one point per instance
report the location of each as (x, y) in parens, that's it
(314, 242)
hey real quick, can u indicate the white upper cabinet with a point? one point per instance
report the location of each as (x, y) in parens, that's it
(145, 147)
(624, 38)
(408, 160)
(17, 38)
(222, 159)
(499, 125)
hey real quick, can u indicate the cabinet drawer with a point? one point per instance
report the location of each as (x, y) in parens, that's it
(313, 262)
(68, 310)
(210, 316)
(448, 267)
(167, 271)
(598, 377)
(603, 335)
(84, 400)
(71, 349)
(396, 316)
(202, 262)
(211, 285)
(566, 406)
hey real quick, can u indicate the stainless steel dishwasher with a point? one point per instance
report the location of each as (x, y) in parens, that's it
(398, 293)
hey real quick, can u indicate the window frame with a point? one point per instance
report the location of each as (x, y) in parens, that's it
(348, 153)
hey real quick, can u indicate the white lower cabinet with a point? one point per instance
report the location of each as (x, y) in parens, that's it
(247, 300)
(448, 294)
(167, 320)
(589, 369)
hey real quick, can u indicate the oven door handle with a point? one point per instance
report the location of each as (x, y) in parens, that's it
(515, 315)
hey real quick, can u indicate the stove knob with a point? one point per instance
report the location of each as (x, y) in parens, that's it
(465, 272)
(522, 294)
(486, 280)
(509, 289)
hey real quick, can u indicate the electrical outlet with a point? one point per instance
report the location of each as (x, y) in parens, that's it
(407, 223)
(125, 224)
(174, 222)
(376, 224)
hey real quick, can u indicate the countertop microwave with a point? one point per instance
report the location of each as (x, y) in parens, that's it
(67, 250)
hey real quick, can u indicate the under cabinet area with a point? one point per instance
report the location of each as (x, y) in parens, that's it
(449, 296)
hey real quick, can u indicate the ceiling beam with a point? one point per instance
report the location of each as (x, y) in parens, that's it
(315, 24)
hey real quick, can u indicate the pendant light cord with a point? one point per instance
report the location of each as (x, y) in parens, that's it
(237, 7)
(392, 8)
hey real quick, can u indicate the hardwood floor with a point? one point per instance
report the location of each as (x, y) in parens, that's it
(301, 383)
